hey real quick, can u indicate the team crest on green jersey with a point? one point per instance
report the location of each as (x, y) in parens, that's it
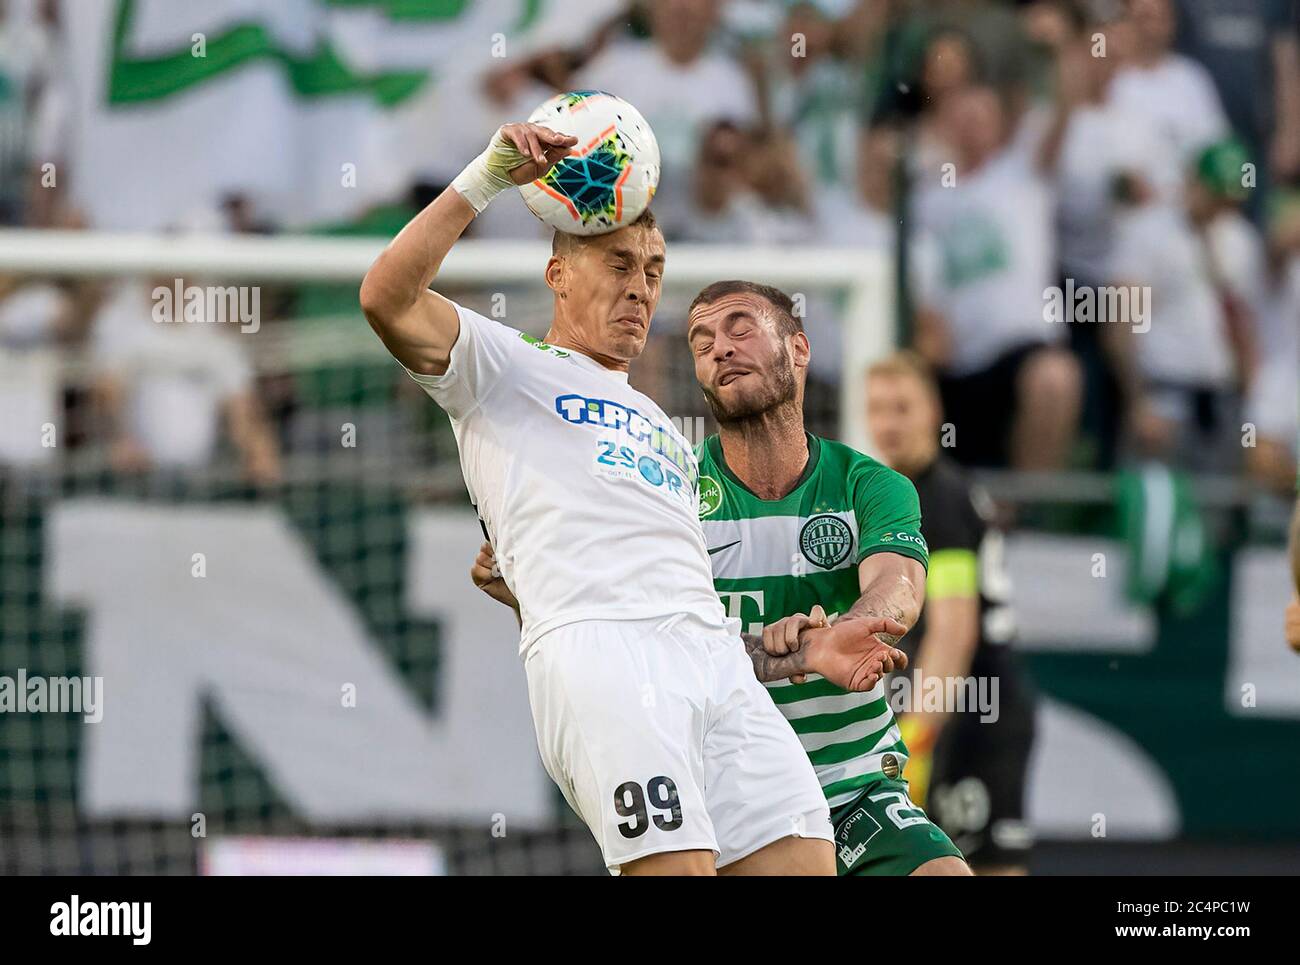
(826, 541)
(710, 496)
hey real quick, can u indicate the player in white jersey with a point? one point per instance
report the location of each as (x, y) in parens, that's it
(648, 713)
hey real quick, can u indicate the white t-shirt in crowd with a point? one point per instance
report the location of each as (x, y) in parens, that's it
(177, 376)
(994, 231)
(29, 375)
(589, 493)
(1178, 99)
(1102, 142)
(1187, 343)
(678, 101)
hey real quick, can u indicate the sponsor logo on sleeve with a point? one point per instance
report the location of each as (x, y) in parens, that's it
(914, 539)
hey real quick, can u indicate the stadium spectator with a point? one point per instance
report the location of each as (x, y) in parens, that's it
(816, 89)
(726, 207)
(949, 67)
(1012, 390)
(168, 379)
(864, 216)
(993, 30)
(1090, 145)
(1180, 366)
(777, 175)
(37, 319)
(33, 114)
(664, 77)
(1092, 150)
(1252, 50)
(1174, 93)
(1273, 401)
(1237, 257)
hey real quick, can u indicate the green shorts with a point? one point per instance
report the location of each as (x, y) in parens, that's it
(881, 832)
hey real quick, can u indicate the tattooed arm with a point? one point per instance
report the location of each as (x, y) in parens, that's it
(891, 586)
(769, 667)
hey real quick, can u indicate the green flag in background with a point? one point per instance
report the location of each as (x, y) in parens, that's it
(316, 110)
(1170, 557)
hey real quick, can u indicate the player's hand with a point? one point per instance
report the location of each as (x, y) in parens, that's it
(782, 637)
(1293, 624)
(850, 655)
(487, 577)
(539, 148)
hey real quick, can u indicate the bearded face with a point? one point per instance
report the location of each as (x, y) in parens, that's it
(738, 397)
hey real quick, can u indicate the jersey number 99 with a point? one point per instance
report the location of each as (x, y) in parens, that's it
(630, 802)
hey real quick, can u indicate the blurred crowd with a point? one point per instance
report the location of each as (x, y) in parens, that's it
(1093, 206)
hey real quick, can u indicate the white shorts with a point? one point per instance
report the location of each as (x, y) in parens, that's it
(661, 739)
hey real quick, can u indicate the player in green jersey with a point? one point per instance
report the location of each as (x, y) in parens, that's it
(798, 528)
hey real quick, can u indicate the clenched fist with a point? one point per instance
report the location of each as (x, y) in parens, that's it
(487, 577)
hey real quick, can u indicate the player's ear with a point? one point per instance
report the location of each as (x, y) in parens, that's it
(800, 350)
(557, 275)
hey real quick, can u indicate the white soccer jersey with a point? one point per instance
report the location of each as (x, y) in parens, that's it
(588, 492)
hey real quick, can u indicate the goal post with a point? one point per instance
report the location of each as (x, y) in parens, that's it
(863, 278)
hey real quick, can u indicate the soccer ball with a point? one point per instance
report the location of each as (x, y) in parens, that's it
(610, 179)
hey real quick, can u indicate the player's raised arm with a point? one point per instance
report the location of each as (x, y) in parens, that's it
(418, 326)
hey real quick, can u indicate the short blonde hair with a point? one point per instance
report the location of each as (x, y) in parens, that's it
(906, 362)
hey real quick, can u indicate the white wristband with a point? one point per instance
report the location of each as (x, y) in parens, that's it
(488, 174)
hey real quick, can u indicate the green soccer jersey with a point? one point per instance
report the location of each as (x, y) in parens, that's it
(775, 558)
